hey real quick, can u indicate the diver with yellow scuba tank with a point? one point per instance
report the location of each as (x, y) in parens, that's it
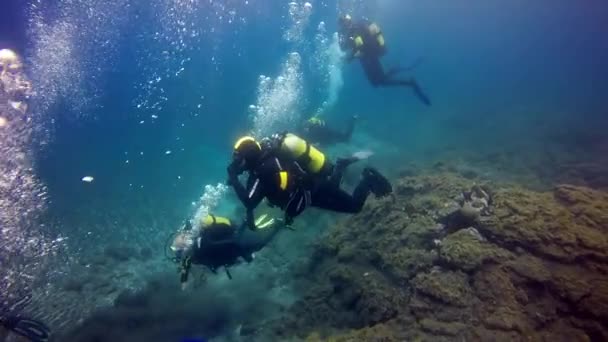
(292, 175)
(218, 242)
(364, 40)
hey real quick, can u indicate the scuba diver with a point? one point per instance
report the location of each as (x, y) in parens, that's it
(316, 131)
(217, 242)
(292, 174)
(364, 40)
(14, 328)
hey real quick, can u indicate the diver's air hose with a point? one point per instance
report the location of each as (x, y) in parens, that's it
(171, 237)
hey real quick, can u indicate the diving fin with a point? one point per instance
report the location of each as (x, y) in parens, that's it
(361, 155)
(262, 222)
(420, 94)
(378, 184)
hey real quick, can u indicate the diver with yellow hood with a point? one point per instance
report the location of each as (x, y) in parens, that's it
(292, 175)
(364, 40)
(218, 242)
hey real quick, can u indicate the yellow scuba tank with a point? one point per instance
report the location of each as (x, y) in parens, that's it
(212, 220)
(216, 228)
(358, 42)
(375, 31)
(309, 158)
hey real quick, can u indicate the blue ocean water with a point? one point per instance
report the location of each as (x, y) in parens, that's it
(148, 97)
(481, 62)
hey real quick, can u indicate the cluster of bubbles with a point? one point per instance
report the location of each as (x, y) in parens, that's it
(358, 8)
(73, 44)
(209, 200)
(328, 63)
(167, 46)
(299, 15)
(24, 250)
(278, 99)
(169, 41)
(174, 33)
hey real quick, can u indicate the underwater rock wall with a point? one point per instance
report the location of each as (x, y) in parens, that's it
(426, 265)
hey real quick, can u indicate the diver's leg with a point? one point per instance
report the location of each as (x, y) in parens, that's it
(338, 172)
(377, 77)
(331, 197)
(393, 71)
(398, 69)
(335, 199)
(373, 70)
(408, 83)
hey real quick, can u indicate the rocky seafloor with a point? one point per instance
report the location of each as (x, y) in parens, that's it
(451, 258)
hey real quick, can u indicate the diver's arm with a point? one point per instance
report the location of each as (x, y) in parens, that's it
(345, 42)
(253, 196)
(249, 204)
(239, 189)
(244, 194)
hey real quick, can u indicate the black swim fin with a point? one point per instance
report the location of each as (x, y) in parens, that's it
(420, 94)
(378, 184)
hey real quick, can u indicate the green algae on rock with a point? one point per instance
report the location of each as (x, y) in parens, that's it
(534, 266)
(465, 251)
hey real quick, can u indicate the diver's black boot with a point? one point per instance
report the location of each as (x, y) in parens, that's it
(378, 184)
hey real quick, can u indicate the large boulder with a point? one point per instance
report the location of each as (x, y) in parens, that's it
(532, 266)
(467, 250)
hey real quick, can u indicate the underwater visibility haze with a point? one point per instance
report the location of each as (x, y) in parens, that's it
(476, 132)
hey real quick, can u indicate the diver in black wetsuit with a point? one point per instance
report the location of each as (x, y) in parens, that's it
(316, 131)
(218, 242)
(292, 174)
(364, 40)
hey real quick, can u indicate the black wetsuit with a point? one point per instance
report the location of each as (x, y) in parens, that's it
(320, 190)
(222, 245)
(369, 56)
(319, 133)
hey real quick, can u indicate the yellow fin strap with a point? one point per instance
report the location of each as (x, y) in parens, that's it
(265, 224)
(260, 219)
